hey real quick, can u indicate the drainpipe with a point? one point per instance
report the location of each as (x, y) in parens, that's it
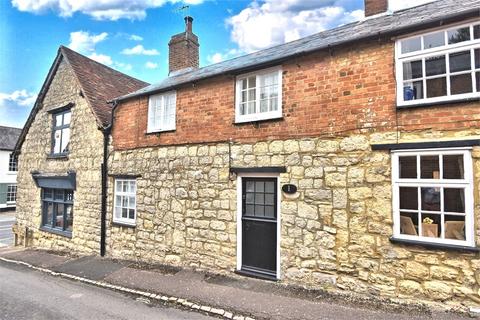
(103, 219)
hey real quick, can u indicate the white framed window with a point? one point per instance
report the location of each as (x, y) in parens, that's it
(161, 112)
(433, 196)
(11, 193)
(61, 132)
(442, 65)
(12, 163)
(125, 201)
(259, 95)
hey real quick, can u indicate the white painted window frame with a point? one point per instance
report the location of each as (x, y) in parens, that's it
(15, 193)
(466, 183)
(120, 220)
(258, 116)
(239, 216)
(425, 53)
(12, 162)
(151, 125)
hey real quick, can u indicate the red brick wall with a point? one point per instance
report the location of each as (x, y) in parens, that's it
(350, 90)
(373, 7)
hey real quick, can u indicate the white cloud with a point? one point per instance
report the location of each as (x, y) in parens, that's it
(395, 5)
(219, 57)
(102, 58)
(273, 22)
(84, 42)
(19, 97)
(151, 65)
(135, 37)
(140, 50)
(100, 10)
(124, 66)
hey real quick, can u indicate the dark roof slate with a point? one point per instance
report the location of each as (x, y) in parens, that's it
(388, 24)
(100, 83)
(8, 137)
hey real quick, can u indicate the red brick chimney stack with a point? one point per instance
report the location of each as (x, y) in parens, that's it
(183, 50)
(373, 7)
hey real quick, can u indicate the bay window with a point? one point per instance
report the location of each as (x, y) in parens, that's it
(438, 66)
(57, 210)
(433, 196)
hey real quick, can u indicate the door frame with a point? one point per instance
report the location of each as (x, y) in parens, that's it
(239, 216)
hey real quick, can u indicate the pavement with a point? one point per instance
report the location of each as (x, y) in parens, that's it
(7, 219)
(27, 294)
(229, 296)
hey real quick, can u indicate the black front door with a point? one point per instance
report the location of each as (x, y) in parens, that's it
(259, 226)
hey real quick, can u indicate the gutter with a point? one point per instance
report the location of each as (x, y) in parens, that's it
(103, 218)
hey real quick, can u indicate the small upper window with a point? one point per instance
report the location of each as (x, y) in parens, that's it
(433, 197)
(259, 96)
(11, 193)
(161, 112)
(125, 202)
(439, 66)
(61, 132)
(12, 163)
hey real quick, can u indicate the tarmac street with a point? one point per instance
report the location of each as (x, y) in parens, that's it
(27, 294)
(7, 219)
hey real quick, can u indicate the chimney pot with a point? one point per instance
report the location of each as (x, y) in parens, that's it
(188, 23)
(373, 7)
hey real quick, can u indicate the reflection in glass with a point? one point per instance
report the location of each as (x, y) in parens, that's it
(408, 167)
(454, 200)
(430, 198)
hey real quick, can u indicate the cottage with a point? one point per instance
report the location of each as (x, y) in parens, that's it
(8, 167)
(61, 153)
(349, 160)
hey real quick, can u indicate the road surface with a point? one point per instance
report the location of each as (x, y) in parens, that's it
(27, 294)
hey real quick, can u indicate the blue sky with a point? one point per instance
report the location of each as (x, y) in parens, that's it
(132, 36)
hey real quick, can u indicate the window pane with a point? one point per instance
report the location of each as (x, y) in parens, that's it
(477, 58)
(59, 195)
(118, 212)
(131, 202)
(250, 198)
(118, 201)
(431, 225)
(118, 186)
(269, 212)
(259, 211)
(435, 65)
(453, 167)
(434, 40)
(58, 120)
(409, 223)
(250, 186)
(430, 198)
(251, 94)
(458, 35)
(252, 82)
(259, 198)
(454, 200)
(244, 96)
(66, 118)
(263, 105)
(461, 84)
(65, 140)
(430, 168)
(251, 107)
(242, 109)
(48, 214)
(124, 213)
(125, 186)
(408, 167)
(413, 90)
(477, 77)
(132, 186)
(454, 227)
(131, 213)
(68, 196)
(259, 186)
(476, 32)
(269, 199)
(270, 186)
(412, 70)
(436, 87)
(411, 45)
(244, 84)
(69, 222)
(408, 198)
(124, 202)
(47, 193)
(59, 216)
(56, 141)
(460, 61)
(250, 210)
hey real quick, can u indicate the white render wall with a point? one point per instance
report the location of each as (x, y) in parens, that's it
(5, 175)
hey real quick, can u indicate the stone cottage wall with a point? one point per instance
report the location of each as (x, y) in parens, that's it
(85, 158)
(334, 232)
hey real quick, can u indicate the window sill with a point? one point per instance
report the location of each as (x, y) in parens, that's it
(123, 224)
(57, 156)
(437, 103)
(67, 234)
(156, 132)
(259, 120)
(435, 246)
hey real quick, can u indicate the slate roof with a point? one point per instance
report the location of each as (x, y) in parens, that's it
(8, 137)
(403, 21)
(100, 83)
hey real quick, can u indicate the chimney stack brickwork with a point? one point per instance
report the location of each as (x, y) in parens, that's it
(373, 7)
(184, 49)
